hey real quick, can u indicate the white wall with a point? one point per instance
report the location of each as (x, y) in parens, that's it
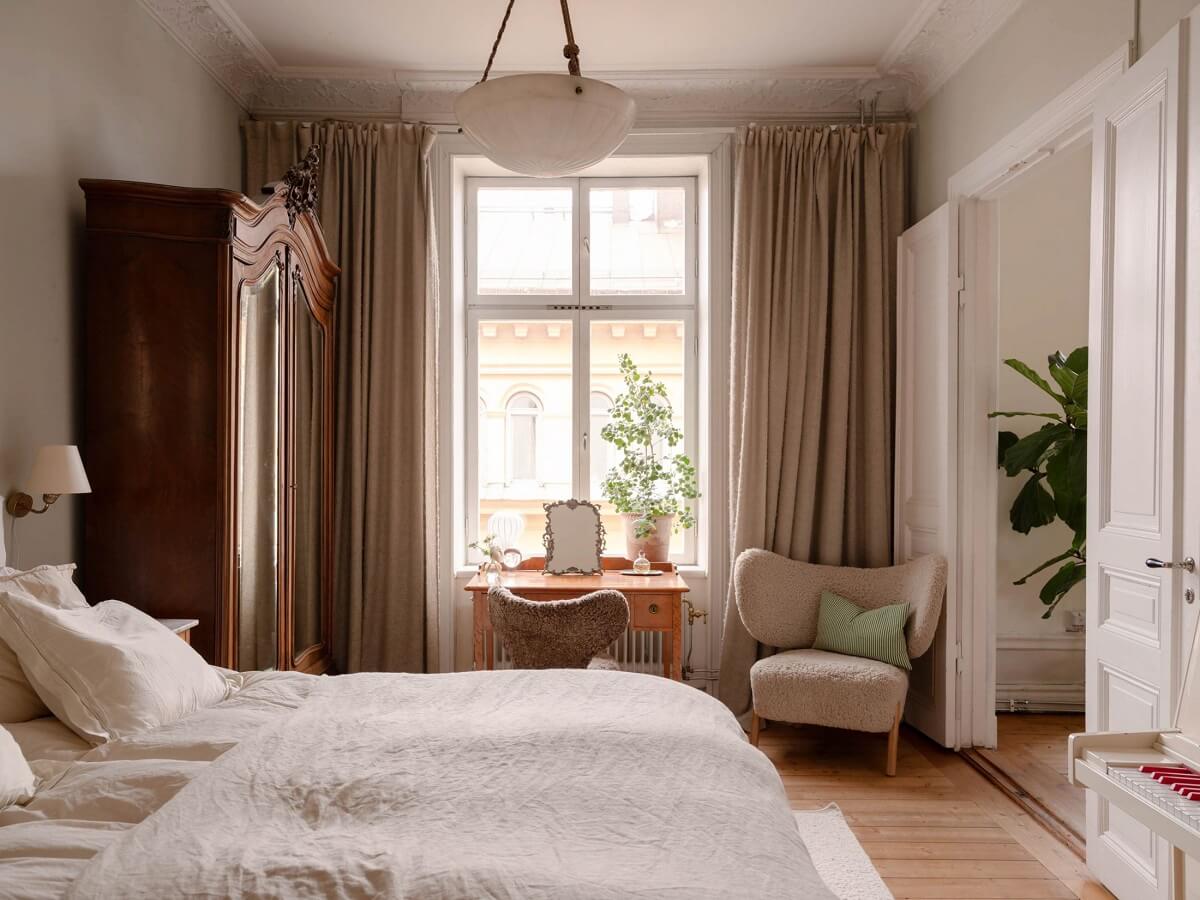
(1042, 253)
(1044, 48)
(1043, 230)
(96, 90)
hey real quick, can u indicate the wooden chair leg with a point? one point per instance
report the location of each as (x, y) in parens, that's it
(894, 741)
(755, 725)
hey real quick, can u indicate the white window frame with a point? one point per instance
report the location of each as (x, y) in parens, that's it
(581, 308)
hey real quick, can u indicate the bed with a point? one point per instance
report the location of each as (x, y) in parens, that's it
(505, 784)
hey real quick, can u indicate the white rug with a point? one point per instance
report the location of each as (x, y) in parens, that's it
(838, 856)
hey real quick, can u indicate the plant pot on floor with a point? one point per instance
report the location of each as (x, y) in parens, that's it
(656, 545)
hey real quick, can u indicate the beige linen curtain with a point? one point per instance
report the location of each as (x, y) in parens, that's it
(376, 209)
(817, 212)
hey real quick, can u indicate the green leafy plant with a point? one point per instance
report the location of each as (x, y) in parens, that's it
(1053, 461)
(650, 479)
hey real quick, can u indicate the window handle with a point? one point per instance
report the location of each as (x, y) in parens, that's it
(585, 434)
(587, 243)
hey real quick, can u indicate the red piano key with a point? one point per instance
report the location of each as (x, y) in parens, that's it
(1167, 778)
(1189, 793)
(1176, 769)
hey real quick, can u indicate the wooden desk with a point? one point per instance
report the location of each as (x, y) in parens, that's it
(655, 603)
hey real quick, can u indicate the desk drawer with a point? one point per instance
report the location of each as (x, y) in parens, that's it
(651, 610)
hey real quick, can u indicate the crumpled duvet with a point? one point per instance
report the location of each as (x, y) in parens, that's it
(510, 784)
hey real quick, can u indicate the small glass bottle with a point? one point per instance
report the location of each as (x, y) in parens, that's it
(641, 565)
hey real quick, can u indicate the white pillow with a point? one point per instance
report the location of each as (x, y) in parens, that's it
(17, 783)
(107, 671)
(53, 586)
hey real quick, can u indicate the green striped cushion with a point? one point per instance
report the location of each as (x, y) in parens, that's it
(845, 627)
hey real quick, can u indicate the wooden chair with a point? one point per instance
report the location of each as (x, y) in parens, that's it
(778, 600)
(558, 634)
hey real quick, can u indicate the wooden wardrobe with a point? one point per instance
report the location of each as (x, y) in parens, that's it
(208, 408)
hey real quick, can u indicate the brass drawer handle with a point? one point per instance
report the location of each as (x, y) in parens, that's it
(653, 608)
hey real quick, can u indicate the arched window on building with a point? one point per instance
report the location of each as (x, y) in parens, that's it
(521, 425)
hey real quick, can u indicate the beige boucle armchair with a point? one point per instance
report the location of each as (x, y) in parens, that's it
(779, 599)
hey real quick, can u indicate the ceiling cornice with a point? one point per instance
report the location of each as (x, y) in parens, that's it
(939, 38)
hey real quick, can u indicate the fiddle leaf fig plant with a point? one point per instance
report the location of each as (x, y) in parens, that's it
(650, 479)
(1053, 462)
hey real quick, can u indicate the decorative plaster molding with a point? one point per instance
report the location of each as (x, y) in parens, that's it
(942, 36)
(939, 38)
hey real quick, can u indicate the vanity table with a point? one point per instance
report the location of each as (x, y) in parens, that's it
(655, 603)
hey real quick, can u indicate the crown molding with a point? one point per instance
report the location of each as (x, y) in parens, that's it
(935, 42)
(939, 39)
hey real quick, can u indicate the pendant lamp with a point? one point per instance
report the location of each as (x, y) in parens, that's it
(545, 125)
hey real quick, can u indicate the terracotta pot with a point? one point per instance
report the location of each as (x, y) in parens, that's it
(656, 545)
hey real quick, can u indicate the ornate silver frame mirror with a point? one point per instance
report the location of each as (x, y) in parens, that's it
(574, 538)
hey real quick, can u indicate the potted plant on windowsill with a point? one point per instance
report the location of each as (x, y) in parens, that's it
(651, 486)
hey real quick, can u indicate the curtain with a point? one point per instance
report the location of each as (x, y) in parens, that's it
(376, 210)
(817, 212)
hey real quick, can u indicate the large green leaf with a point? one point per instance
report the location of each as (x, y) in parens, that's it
(1073, 383)
(1008, 415)
(1005, 440)
(1020, 368)
(1067, 469)
(1078, 360)
(1029, 451)
(1032, 508)
(1060, 583)
(1066, 554)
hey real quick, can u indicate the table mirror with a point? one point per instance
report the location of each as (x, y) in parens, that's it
(574, 538)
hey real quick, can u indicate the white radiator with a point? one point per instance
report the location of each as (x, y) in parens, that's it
(636, 651)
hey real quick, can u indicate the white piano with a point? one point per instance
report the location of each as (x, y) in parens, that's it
(1154, 776)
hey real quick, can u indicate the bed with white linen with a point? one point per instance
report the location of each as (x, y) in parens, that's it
(512, 784)
(175, 779)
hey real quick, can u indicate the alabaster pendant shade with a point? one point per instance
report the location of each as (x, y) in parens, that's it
(57, 469)
(545, 125)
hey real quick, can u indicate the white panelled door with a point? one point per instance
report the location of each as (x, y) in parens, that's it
(926, 454)
(1135, 452)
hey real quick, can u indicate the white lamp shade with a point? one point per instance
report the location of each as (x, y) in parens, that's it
(545, 125)
(57, 469)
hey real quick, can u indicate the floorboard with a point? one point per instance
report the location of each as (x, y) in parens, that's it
(939, 829)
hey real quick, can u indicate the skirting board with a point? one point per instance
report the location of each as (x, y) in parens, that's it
(1040, 672)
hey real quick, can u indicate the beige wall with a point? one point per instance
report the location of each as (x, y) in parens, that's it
(87, 89)
(1044, 48)
(1042, 279)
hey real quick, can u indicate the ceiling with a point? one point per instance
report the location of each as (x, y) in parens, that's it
(684, 61)
(455, 35)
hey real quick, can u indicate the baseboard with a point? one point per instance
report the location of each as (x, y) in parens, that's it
(1041, 672)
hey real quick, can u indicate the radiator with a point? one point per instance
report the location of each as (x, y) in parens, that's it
(635, 651)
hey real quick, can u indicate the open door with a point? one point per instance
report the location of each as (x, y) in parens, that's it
(926, 453)
(1136, 463)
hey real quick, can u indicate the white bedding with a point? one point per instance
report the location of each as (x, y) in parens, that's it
(555, 784)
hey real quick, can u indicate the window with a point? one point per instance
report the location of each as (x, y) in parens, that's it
(523, 409)
(563, 276)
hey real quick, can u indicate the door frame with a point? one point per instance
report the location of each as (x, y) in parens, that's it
(1061, 125)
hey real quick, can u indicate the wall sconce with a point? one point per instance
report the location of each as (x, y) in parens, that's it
(57, 470)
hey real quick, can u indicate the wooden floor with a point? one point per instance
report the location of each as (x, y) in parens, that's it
(1032, 752)
(939, 829)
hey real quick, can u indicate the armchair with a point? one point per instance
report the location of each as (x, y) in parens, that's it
(778, 600)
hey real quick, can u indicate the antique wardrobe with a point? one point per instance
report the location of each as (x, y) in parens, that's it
(208, 415)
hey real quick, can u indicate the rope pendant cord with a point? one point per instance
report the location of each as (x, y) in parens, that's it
(496, 43)
(570, 51)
